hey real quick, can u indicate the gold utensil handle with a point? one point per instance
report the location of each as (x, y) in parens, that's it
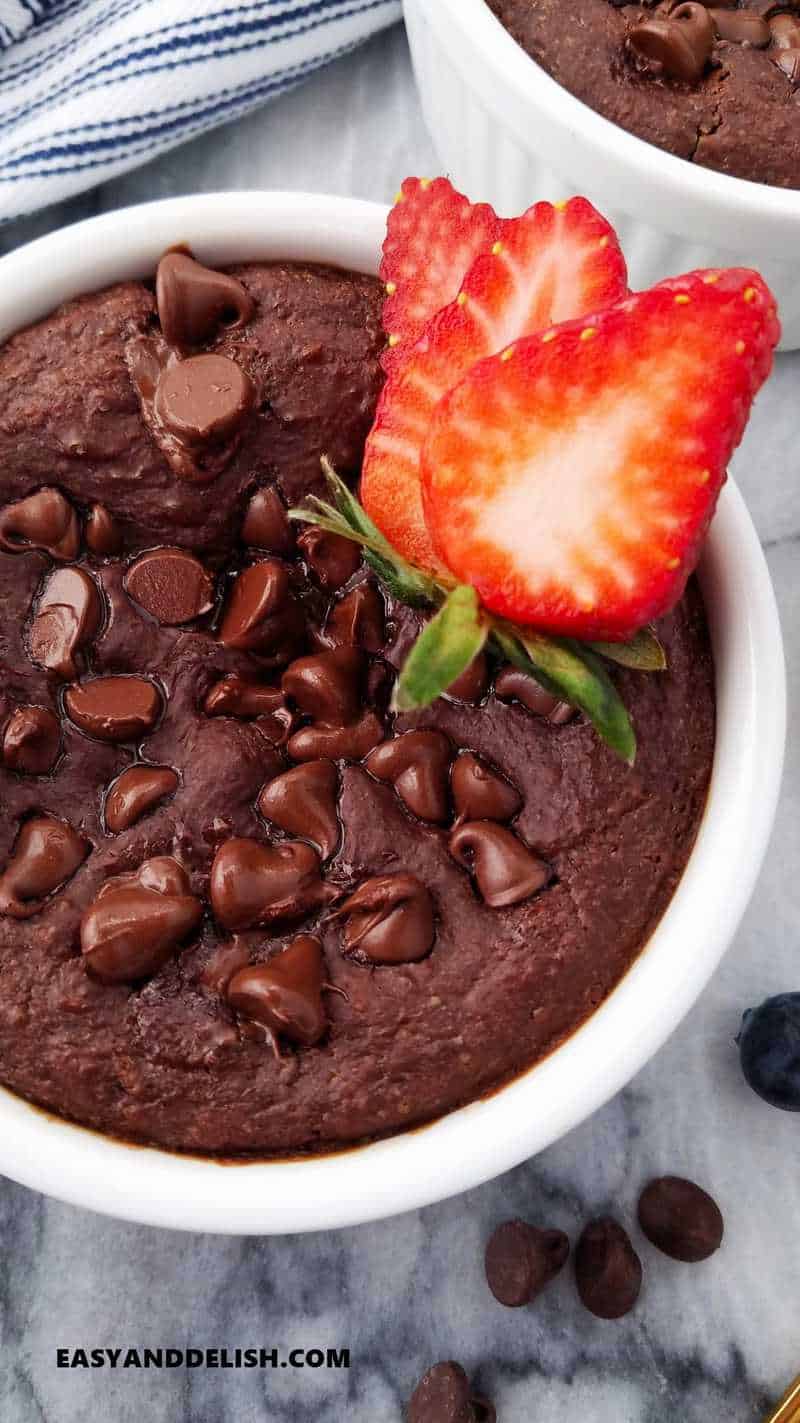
(788, 1410)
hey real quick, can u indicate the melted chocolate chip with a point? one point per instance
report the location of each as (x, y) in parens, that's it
(204, 400)
(138, 921)
(302, 801)
(103, 534)
(480, 792)
(444, 1395)
(45, 520)
(472, 683)
(678, 46)
(505, 870)
(285, 994)
(261, 616)
(235, 696)
(114, 708)
(417, 765)
(336, 743)
(512, 684)
(389, 920)
(520, 1260)
(46, 854)
(330, 557)
(195, 301)
(357, 620)
(327, 685)
(265, 524)
(66, 619)
(31, 741)
(739, 27)
(681, 1219)
(171, 585)
(608, 1272)
(136, 792)
(254, 885)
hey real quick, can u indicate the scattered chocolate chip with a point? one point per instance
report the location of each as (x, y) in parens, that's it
(46, 854)
(261, 615)
(417, 765)
(678, 46)
(302, 801)
(608, 1272)
(265, 524)
(330, 557)
(235, 696)
(203, 400)
(681, 1219)
(66, 619)
(357, 620)
(194, 301)
(520, 1260)
(138, 921)
(45, 520)
(253, 885)
(512, 684)
(136, 792)
(171, 585)
(285, 994)
(480, 792)
(326, 686)
(336, 743)
(31, 741)
(389, 920)
(102, 532)
(505, 870)
(472, 683)
(739, 27)
(114, 708)
(444, 1395)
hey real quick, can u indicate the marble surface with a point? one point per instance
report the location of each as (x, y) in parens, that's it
(711, 1343)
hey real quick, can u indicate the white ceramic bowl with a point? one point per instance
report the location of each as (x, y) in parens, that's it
(509, 134)
(481, 1140)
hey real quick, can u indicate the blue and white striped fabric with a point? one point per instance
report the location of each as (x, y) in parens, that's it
(90, 88)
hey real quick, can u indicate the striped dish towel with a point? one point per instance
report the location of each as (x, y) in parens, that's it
(90, 88)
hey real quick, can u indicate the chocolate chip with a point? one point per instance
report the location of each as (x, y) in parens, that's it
(444, 1395)
(31, 741)
(327, 685)
(739, 27)
(472, 683)
(136, 792)
(46, 854)
(302, 801)
(45, 520)
(66, 619)
(235, 696)
(505, 870)
(171, 585)
(114, 708)
(138, 921)
(332, 558)
(512, 684)
(261, 616)
(102, 532)
(285, 994)
(203, 400)
(389, 920)
(253, 885)
(480, 792)
(678, 46)
(681, 1219)
(265, 524)
(357, 620)
(335, 743)
(195, 301)
(520, 1260)
(416, 764)
(608, 1272)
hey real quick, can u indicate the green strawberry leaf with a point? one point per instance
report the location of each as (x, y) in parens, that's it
(444, 649)
(643, 652)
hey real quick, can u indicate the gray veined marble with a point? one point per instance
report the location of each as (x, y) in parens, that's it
(707, 1343)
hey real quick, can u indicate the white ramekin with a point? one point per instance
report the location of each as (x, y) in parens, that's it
(488, 1137)
(509, 134)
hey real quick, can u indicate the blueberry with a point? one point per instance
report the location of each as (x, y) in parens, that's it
(769, 1048)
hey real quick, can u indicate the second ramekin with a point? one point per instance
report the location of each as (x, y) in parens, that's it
(509, 134)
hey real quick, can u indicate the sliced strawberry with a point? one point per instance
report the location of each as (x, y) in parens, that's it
(549, 265)
(432, 237)
(572, 479)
